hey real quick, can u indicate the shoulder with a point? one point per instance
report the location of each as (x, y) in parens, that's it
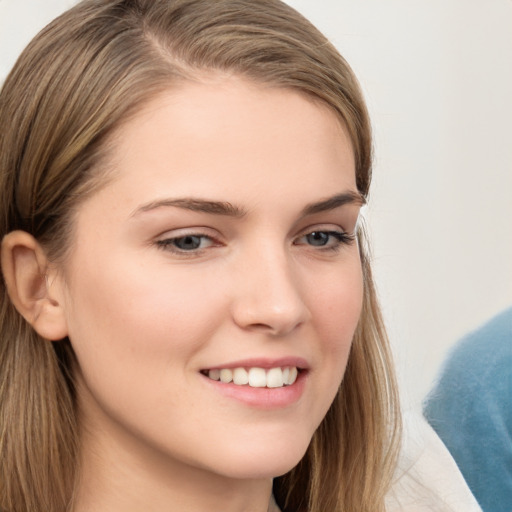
(481, 361)
(475, 386)
(491, 343)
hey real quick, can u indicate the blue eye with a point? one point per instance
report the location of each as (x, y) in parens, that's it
(187, 243)
(318, 238)
(325, 239)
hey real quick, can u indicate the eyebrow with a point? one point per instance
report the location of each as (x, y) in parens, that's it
(196, 205)
(230, 210)
(334, 202)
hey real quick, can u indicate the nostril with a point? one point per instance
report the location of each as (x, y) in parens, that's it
(261, 326)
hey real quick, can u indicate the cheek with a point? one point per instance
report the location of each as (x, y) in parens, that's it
(136, 331)
(337, 306)
(122, 310)
(336, 312)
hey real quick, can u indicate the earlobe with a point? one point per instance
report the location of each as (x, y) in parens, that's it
(28, 278)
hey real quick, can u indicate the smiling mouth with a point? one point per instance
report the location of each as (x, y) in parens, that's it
(255, 377)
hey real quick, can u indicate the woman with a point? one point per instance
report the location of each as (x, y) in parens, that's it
(188, 313)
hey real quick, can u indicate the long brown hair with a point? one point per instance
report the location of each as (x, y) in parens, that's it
(81, 77)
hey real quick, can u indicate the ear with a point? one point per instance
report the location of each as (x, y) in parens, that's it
(32, 285)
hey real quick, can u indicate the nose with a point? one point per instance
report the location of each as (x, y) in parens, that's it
(268, 298)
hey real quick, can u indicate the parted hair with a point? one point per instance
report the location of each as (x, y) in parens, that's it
(77, 81)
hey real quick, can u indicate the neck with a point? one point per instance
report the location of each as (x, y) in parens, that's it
(133, 495)
(117, 474)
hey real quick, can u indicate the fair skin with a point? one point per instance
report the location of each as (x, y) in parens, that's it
(223, 240)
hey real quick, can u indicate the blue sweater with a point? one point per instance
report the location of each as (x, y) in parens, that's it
(470, 408)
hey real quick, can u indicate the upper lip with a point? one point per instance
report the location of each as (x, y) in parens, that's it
(262, 362)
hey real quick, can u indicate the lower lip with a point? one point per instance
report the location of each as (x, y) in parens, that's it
(262, 398)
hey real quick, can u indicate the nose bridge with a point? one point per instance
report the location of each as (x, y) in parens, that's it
(269, 296)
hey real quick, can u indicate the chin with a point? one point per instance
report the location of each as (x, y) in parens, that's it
(265, 459)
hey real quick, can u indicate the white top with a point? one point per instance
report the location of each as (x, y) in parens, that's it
(427, 478)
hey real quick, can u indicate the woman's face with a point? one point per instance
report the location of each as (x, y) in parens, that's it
(224, 241)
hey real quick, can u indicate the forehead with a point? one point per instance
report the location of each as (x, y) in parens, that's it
(234, 140)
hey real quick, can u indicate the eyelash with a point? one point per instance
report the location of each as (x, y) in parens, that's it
(339, 238)
(170, 244)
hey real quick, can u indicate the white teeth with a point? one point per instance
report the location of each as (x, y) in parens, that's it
(214, 374)
(240, 376)
(293, 375)
(256, 377)
(226, 376)
(275, 378)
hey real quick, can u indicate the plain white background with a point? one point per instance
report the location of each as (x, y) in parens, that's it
(437, 75)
